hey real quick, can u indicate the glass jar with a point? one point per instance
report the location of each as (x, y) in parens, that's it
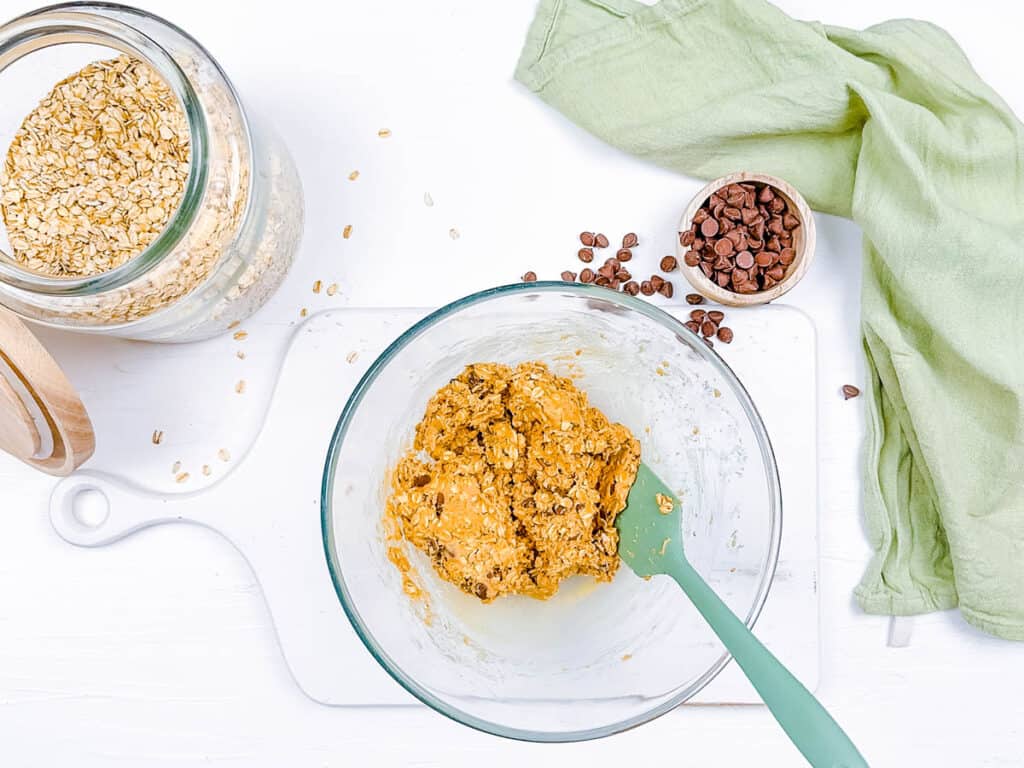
(234, 234)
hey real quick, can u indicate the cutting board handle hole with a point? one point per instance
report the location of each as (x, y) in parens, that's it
(90, 507)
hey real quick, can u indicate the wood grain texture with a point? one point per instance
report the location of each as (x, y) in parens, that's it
(18, 433)
(73, 437)
(804, 242)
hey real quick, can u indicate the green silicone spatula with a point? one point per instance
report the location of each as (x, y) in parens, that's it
(650, 542)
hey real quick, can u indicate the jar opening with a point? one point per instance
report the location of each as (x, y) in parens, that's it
(73, 26)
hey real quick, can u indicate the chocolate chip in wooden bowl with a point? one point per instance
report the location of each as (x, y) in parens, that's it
(668, 264)
(568, 276)
(750, 223)
(630, 240)
(694, 298)
(850, 391)
(530, 277)
(587, 238)
(586, 255)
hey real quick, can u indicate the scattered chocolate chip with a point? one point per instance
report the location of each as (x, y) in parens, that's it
(631, 287)
(586, 255)
(623, 275)
(850, 391)
(668, 264)
(600, 241)
(694, 298)
(530, 277)
(697, 315)
(657, 281)
(692, 325)
(666, 289)
(568, 276)
(646, 288)
(725, 335)
(624, 254)
(707, 328)
(716, 316)
(630, 240)
(587, 276)
(587, 238)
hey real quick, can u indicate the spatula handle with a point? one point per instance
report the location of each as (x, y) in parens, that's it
(818, 737)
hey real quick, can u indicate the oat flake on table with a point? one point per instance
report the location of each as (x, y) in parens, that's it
(96, 170)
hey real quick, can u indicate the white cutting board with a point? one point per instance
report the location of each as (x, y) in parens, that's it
(269, 505)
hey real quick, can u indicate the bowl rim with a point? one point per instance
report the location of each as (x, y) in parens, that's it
(804, 255)
(652, 312)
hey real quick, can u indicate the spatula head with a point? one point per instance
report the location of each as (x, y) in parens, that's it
(650, 527)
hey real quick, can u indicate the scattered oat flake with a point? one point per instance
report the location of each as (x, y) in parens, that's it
(158, 436)
(207, 470)
(347, 231)
(234, 324)
(627, 656)
(240, 355)
(241, 335)
(353, 176)
(664, 546)
(665, 503)
(717, 393)
(240, 386)
(223, 454)
(428, 200)
(303, 312)
(351, 356)
(182, 477)
(176, 468)
(332, 289)
(384, 133)
(317, 285)
(453, 233)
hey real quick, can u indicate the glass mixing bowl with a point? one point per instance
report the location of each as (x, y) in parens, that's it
(596, 658)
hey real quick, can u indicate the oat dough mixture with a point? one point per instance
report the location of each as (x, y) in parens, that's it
(513, 484)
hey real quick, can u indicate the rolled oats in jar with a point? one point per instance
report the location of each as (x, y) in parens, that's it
(138, 197)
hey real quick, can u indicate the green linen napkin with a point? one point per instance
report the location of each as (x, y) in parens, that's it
(890, 127)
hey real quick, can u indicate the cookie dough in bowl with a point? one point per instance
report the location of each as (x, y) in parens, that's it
(606, 650)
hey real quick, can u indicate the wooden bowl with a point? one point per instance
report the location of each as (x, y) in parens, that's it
(803, 243)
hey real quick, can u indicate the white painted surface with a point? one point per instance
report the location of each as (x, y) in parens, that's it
(159, 651)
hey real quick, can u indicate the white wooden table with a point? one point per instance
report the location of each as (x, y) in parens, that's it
(158, 651)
